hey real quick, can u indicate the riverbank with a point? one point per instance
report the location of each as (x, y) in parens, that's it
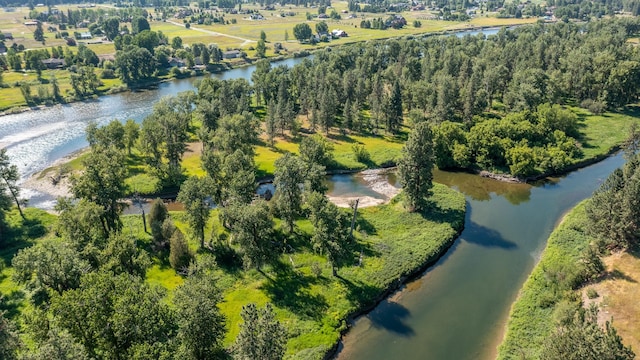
(548, 293)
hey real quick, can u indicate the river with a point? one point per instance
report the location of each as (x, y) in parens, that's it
(458, 308)
(455, 310)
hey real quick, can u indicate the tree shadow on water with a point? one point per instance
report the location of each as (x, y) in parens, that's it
(291, 290)
(391, 316)
(387, 315)
(483, 236)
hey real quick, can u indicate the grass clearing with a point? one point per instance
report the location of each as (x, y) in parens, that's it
(619, 293)
(602, 133)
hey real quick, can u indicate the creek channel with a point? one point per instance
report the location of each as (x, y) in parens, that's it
(455, 310)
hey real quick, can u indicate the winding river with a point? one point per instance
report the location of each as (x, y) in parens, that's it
(455, 310)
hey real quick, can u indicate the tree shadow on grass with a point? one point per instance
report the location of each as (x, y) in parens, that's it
(435, 213)
(291, 290)
(11, 302)
(20, 237)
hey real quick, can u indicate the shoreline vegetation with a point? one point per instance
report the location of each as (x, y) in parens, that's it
(573, 299)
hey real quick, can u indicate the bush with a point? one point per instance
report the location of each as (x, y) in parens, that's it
(592, 293)
(180, 255)
(108, 74)
(361, 154)
(594, 106)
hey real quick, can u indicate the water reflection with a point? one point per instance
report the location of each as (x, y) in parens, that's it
(480, 188)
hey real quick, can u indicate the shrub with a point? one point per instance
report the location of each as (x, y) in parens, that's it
(180, 255)
(592, 293)
(361, 154)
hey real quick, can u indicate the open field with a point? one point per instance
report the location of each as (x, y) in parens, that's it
(619, 292)
(601, 133)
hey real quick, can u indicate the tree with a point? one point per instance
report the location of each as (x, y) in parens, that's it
(121, 255)
(176, 43)
(139, 24)
(102, 182)
(263, 35)
(302, 32)
(38, 34)
(194, 193)
(252, 228)
(115, 316)
(9, 340)
(583, 339)
(111, 27)
(158, 213)
(179, 254)
(394, 111)
(134, 64)
(201, 326)
(331, 228)
(53, 265)
(131, 134)
(261, 49)
(415, 167)
(321, 27)
(316, 150)
(8, 182)
(261, 335)
(288, 176)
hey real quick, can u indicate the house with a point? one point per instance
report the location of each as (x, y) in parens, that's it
(256, 17)
(323, 16)
(176, 62)
(53, 63)
(85, 35)
(83, 24)
(338, 33)
(231, 54)
(32, 23)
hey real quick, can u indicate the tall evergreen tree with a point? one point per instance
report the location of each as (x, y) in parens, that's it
(415, 167)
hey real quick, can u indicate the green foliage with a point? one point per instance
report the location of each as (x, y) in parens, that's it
(180, 255)
(261, 335)
(9, 190)
(361, 154)
(112, 316)
(201, 326)
(251, 227)
(415, 167)
(49, 265)
(102, 183)
(194, 194)
(331, 228)
(583, 339)
(288, 176)
(9, 340)
(316, 149)
(302, 32)
(158, 213)
(592, 293)
(547, 298)
(614, 211)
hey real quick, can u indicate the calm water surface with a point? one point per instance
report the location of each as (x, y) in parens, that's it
(457, 309)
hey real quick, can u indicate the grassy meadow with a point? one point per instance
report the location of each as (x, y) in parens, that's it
(308, 300)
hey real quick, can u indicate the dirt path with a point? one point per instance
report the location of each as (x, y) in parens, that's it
(214, 33)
